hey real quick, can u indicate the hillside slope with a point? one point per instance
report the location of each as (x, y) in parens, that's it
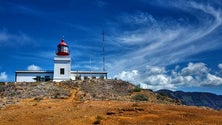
(195, 98)
(81, 90)
(95, 101)
(68, 112)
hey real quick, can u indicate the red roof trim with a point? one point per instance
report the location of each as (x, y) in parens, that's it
(62, 53)
(62, 43)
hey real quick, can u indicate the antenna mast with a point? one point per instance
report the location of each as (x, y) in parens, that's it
(103, 51)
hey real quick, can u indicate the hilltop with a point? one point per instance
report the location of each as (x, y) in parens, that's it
(80, 90)
(95, 101)
(195, 98)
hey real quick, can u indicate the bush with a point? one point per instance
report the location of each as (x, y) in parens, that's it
(98, 120)
(99, 117)
(85, 77)
(140, 97)
(78, 77)
(137, 89)
(101, 77)
(2, 83)
(13, 94)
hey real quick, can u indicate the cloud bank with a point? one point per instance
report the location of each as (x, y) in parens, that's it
(154, 42)
(169, 40)
(154, 77)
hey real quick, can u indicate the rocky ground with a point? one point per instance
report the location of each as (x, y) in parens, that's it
(95, 101)
(69, 112)
(91, 89)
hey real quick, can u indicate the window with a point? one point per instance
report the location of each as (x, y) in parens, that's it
(62, 71)
(64, 49)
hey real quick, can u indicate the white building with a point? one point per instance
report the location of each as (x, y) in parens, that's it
(62, 69)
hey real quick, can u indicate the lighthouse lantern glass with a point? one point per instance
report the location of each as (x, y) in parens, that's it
(64, 49)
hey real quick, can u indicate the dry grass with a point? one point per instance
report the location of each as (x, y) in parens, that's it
(34, 104)
(67, 111)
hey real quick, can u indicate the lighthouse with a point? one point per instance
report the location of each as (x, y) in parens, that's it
(62, 69)
(62, 62)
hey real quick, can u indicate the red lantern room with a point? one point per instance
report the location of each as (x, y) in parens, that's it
(63, 49)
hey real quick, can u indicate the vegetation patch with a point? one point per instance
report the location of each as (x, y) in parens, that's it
(98, 120)
(140, 97)
(162, 96)
(137, 89)
(2, 83)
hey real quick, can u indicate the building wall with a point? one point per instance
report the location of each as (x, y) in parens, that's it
(88, 74)
(29, 76)
(65, 63)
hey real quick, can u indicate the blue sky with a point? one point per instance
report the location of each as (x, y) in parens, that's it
(157, 44)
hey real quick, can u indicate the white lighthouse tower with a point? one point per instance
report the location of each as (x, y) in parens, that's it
(62, 63)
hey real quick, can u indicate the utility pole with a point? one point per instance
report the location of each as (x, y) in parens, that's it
(103, 51)
(90, 61)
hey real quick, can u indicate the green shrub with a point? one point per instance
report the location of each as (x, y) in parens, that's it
(85, 77)
(78, 77)
(2, 83)
(140, 97)
(137, 89)
(99, 117)
(98, 120)
(161, 97)
(101, 77)
(13, 94)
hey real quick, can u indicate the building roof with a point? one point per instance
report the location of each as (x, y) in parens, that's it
(34, 71)
(50, 71)
(62, 43)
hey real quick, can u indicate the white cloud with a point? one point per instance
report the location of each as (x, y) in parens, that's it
(213, 80)
(196, 74)
(155, 69)
(33, 67)
(128, 76)
(164, 41)
(4, 36)
(154, 77)
(148, 30)
(9, 39)
(194, 69)
(220, 65)
(3, 76)
(138, 18)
